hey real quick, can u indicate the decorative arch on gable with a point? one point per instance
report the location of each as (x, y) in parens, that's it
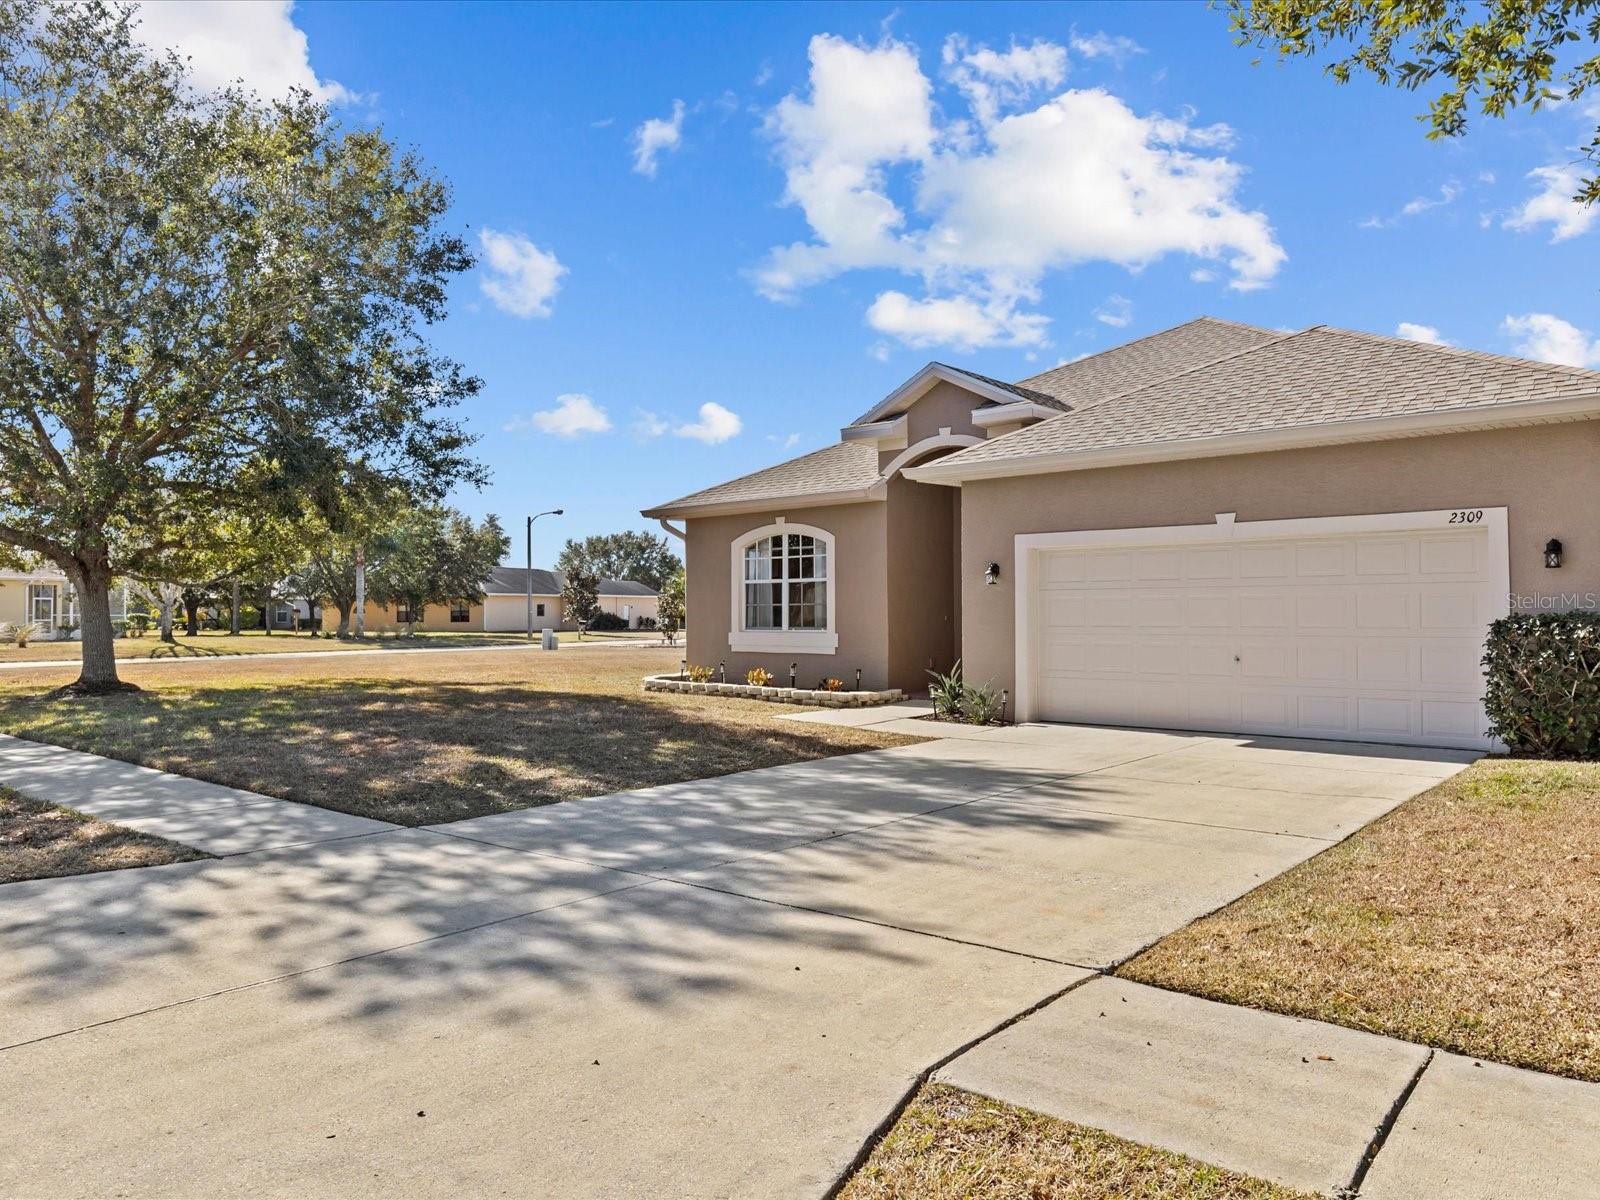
(943, 440)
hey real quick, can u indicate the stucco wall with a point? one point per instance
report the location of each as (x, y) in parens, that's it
(435, 619)
(860, 577)
(1548, 477)
(922, 600)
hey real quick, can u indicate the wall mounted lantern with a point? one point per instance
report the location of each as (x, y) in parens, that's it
(991, 574)
(1552, 552)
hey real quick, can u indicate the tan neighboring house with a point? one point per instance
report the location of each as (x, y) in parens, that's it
(44, 597)
(1216, 527)
(504, 607)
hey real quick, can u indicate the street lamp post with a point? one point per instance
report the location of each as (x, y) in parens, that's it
(554, 512)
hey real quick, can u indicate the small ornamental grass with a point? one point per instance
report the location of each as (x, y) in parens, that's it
(1542, 690)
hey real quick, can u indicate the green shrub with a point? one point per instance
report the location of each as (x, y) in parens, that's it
(982, 706)
(1543, 683)
(604, 622)
(947, 692)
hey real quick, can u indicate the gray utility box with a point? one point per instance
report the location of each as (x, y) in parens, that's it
(547, 640)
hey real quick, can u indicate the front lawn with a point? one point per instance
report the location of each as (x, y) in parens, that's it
(1468, 918)
(423, 738)
(39, 841)
(953, 1145)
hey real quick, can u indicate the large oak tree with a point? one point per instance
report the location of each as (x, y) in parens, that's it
(210, 307)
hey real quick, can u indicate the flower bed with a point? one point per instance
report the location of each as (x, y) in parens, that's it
(776, 695)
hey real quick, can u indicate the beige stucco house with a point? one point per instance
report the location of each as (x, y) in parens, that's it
(45, 598)
(1215, 527)
(504, 607)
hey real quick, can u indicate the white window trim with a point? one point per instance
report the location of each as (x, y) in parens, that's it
(796, 641)
(1026, 548)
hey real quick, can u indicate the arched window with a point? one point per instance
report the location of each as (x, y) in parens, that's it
(783, 590)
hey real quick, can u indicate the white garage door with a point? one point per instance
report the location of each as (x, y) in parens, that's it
(1367, 635)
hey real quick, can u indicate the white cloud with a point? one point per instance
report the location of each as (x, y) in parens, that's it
(716, 425)
(1553, 204)
(1203, 275)
(519, 277)
(959, 321)
(225, 42)
(880, 350)
(1104, 45)
(1550, 339)
(656, 136)
(787, 442)
(1449, 192)
(573, 415)
(1420, 333)
(647, 425)
(1001, 199)
(1117, 311)
(992, 79)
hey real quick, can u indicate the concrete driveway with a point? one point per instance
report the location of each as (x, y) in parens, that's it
(716, 988)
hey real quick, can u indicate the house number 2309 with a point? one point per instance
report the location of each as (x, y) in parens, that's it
(1468, 516)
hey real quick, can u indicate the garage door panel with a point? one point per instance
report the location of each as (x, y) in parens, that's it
(1324, 610)
(1373, 636)
(1208, 610)
(1387, 663)
(1385, 608)
(1451, 555)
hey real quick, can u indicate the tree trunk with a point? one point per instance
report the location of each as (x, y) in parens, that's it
(233, 616)
(344, 617)
(98, 673)
(266, 613)
(166, 623)
(191, 615)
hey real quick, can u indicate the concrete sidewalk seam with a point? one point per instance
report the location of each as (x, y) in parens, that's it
(881, 1130)
(1381, 1134)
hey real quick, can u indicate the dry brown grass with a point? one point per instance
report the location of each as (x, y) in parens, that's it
(226, 645)
(40, 841)
(1468, 918)
(953, 1145)
(422, 738)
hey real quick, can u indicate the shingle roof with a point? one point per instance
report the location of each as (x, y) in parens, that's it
(1319, 376)
(842, 467)
(1145, 360)
(513, 581)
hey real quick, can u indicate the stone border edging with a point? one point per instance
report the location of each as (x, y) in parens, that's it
(775, 695)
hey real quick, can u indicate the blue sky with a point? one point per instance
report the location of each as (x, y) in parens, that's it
(782, 211)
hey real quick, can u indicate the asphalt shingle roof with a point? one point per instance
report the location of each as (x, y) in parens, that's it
(1145, 360)
(1319, 376)
(842, 467)
(513, 581)
(1034, 395)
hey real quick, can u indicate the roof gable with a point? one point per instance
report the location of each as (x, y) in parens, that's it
(993, 391)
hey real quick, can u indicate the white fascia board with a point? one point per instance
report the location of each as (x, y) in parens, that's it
(1373, 429)
(1010, 414)
(876, 492)
(914, 388)
(889, 435)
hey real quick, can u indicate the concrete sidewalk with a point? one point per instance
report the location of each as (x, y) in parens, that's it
(1298, 1102)
(208, 816)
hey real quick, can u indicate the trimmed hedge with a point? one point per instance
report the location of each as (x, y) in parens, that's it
(1543, 683)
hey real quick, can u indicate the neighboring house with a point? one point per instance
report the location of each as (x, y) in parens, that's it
(504, 607)
(1216, 527)
(46, 598)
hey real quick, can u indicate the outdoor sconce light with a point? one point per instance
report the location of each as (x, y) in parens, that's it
(793, 667)
(1552, 552)
(991, 574)
(858, 679)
